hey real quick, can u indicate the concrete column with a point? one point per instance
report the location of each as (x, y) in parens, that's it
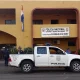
(78, 30)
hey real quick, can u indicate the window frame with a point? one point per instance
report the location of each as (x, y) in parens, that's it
(40, 21)
(40, 50)
(56, 21)
(10, 22)
(71, 43)
(56, 51)
(71, 21)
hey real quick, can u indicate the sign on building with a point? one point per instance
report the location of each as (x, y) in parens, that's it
(55, 32)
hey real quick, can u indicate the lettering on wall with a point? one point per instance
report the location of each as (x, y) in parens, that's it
(55, 32)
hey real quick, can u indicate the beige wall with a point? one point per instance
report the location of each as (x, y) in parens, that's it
(24, 39)
(7, 39)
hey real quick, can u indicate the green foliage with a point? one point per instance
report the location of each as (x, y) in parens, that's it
(28, 50)
(13, 51)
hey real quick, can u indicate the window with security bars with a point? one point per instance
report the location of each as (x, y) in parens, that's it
(54, 21)
(71, 21)
(37, 21)
(71, 43)
(10, 22)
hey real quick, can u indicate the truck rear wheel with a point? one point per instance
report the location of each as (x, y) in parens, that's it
(75, 66)
(26, 66)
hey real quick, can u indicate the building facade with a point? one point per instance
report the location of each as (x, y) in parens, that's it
(53, 22)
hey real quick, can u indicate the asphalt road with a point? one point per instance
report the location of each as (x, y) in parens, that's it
(11, 73)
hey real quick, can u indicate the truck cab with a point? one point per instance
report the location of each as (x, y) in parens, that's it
(45, 56)
(50, 56)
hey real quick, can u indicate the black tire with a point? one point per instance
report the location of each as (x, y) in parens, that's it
(26, 67)
(75, 66)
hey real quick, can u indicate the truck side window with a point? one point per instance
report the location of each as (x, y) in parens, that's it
(55, 51)
(52, 51)
(41, 50)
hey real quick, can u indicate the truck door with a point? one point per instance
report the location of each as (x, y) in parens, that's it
(41, 56)
(57, 57)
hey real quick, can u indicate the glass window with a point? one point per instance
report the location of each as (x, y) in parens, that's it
(71, 21)
(55, 42)
(55, 51)
(37, 21)
(10, 22)
(7, 15)
(41, 50)
(71, 43)
(54, 21)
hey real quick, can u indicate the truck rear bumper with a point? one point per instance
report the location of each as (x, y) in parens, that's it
(12, 64)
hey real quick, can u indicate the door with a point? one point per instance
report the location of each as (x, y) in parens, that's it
(41, 56)
(57, 57)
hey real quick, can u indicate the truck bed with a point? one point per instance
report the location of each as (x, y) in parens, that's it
(15, 59)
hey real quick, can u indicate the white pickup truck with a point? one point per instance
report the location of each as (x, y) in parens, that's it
(45, 56)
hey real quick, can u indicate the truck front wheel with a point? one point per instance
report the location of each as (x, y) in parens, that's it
(26, 66)
(75, 66)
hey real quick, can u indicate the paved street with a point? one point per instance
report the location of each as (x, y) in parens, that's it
(11, 73)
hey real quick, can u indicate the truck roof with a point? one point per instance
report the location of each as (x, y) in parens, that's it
(47, 46)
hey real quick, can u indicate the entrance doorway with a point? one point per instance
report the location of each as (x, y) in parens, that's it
(6, 40)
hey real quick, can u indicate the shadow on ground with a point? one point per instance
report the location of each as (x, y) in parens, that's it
(14, 70)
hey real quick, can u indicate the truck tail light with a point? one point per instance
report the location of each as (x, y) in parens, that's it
(9, 59)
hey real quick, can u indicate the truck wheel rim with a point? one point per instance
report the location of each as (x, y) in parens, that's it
(76, 67)
(26, 67)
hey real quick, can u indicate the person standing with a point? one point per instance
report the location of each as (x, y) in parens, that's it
(6, 55)
(20, 51)
(48, 44)
(68, 51)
